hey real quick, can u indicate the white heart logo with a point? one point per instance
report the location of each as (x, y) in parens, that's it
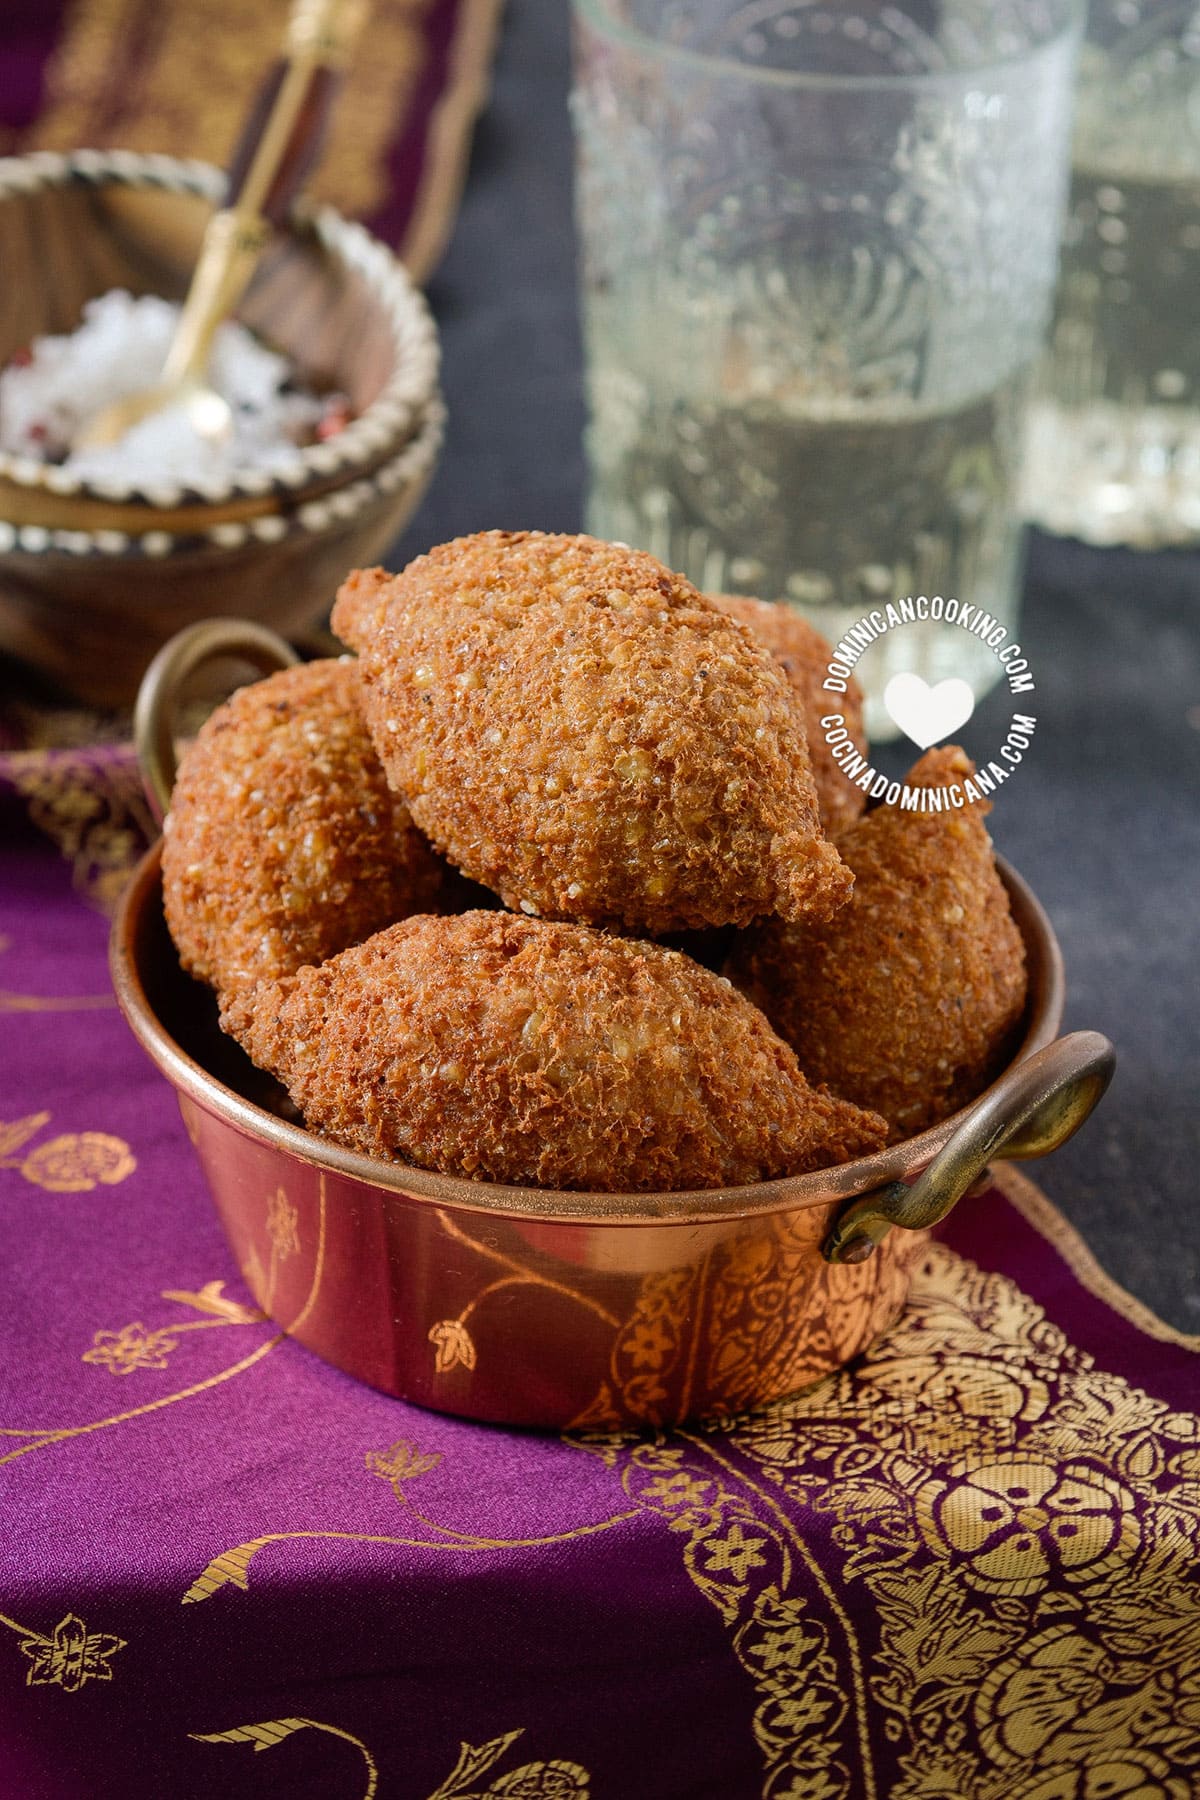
(928, 714)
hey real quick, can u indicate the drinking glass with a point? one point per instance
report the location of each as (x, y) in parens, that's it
(818, 252)
(1114, 448)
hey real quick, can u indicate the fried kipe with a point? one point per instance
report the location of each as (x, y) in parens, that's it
(530, 1052)
(906, 1003)
(284, 842)
(577, 728)
(803, 655)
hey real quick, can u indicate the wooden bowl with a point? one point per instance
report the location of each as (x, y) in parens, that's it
(94, 578)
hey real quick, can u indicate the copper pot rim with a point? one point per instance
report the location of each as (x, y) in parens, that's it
(682, 1207)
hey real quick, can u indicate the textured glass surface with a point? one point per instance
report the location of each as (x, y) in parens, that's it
(1115, 431)
(819, 246)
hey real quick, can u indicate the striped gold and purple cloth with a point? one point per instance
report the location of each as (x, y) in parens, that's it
(144, 75)
(966, 1568)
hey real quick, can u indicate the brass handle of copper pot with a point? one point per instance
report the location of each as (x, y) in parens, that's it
(158, 695)
(1033, 1109)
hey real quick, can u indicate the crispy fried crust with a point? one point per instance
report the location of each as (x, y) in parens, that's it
(579, 729)
(803, 655)
(284, 842)
(521, 1051)
(907, 1001)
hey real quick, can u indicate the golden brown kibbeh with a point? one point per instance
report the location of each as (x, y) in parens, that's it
(906, 1003)
(803, 655)
(524, 1051)
(579, 729)
(284, 842)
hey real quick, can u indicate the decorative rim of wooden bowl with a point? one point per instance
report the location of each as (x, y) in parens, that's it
(414, 464)
(401, 408)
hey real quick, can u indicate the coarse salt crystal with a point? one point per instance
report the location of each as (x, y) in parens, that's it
(119, 350)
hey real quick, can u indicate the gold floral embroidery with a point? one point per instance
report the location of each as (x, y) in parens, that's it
(133, 1347)
(232, 1567)
(70, 1164)
(55, 1003)
(211, 1298)
(47, 1437)
(736, 1551)
(70, 1657)
(1015, 1527)
(679, 1493)
(532, 1781)
(16, 1132)
(1023, 1528)
(282, 1220)
(748, 1567)
(270, 1732)
(74, 1163)
(401, 1462)
(93, 809)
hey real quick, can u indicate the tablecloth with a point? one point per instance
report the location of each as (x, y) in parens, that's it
(964, 1569)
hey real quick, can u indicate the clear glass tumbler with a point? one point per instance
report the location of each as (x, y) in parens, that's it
(819, 243)
(1114, 448)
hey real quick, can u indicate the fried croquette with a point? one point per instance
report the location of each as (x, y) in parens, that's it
(284, 842)
(907, 1002)
(524, 1051)
(580, 730)
(803, 655)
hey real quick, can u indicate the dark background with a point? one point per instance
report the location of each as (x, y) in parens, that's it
(1103, 817)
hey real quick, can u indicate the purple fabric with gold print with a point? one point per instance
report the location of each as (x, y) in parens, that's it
(965, 1568)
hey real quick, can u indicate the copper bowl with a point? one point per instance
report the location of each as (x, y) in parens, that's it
(599, 1311)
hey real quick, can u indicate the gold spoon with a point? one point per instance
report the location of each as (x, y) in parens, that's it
(278, 148)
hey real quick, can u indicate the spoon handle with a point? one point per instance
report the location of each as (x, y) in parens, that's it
(278, 147)
(285, 131)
